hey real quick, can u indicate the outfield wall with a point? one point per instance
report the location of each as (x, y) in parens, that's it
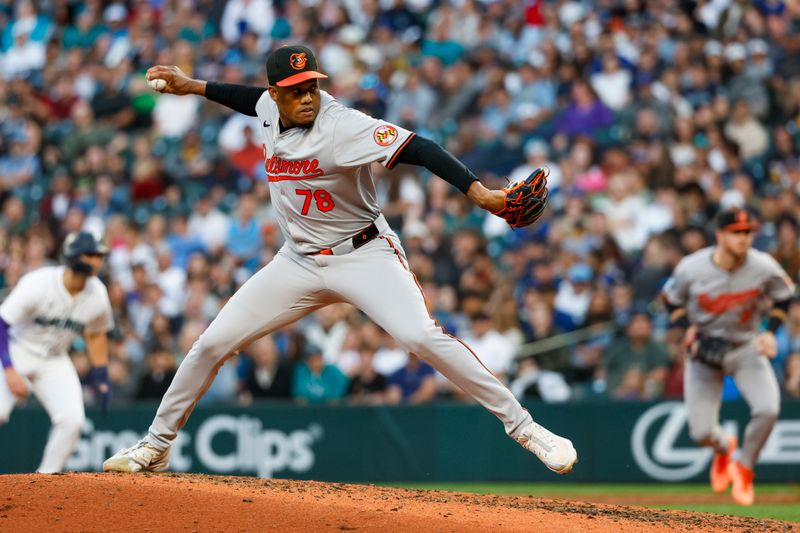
(442, 442)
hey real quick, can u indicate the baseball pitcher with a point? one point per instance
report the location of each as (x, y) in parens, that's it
(716, 294)
(338, 248)
(39, 320)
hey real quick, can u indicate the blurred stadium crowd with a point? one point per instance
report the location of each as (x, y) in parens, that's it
(650, 115)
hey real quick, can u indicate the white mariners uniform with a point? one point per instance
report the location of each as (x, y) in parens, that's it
(44, 319)
(726, 305)
(323, 193)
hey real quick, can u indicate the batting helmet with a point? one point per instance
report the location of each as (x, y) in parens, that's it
(78, 244)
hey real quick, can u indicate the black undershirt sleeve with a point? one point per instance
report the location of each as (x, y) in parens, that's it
(778, 314)
(677, 316)
(424, 152)
(241, 98)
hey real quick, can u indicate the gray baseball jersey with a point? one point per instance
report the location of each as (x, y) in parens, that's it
(320, 179)
(726, 304)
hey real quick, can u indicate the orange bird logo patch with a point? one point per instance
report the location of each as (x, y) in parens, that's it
(298, 61)
(385, 135)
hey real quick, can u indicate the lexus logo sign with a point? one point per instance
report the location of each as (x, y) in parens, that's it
(661, 459)
(655, 435)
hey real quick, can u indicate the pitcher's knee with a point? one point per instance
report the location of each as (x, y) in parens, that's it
(210, 347)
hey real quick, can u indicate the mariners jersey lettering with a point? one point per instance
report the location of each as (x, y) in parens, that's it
(45, 318)
(320, 179)
(727, 304)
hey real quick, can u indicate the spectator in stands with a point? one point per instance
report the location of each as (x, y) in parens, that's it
(171, 279)
(244, 235)
(787, 251)
(267, 375)
(491, 347)
(19, 166)
(241, 16)
(209, 224)
(122, 382)
(181, 243)
(85, 31)
(25, 57)
(573, 297)
(367, 386)
(585, 115)
(329, 332)
(635, 365)
(161, 368)
(746, 131)
(317, 382)
(413, 384)
(249, 160)
(539, 327)
(613, 83)
(82, 132)
(534, 383)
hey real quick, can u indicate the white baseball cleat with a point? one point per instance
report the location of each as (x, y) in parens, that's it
(142, 456)
(557, 453)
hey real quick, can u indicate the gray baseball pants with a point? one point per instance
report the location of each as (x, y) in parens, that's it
(376, 279)
(703, 395)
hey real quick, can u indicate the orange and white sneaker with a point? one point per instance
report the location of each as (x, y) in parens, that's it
(720, 479)
(742, 481)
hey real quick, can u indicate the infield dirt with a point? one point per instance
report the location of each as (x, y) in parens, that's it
(193, 502)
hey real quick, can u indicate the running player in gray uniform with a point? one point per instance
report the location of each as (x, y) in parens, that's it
(717, 294)
(338, 248)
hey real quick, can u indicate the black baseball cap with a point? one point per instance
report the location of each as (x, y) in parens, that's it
(290, 65)
(736, 219)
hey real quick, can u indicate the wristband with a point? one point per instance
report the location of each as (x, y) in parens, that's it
(99, 376)
(680, 322)
(5, 357)
(774, 323)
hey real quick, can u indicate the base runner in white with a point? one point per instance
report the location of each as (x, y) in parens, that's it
(39, 320)
(338, 248)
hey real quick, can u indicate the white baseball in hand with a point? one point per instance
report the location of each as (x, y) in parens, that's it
(158, 84)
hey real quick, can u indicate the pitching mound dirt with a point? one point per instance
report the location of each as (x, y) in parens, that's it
(191, 502)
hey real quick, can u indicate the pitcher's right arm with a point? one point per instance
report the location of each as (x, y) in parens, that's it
(241, 98)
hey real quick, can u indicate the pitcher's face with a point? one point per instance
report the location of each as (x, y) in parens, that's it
(298, 104)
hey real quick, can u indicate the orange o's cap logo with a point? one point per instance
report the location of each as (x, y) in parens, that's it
(298, 61)
(385, 135)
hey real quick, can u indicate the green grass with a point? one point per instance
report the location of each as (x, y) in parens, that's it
(775, 511)
(772, 511)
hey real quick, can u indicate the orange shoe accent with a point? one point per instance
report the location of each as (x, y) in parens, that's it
(742, 480)
(720, 480)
